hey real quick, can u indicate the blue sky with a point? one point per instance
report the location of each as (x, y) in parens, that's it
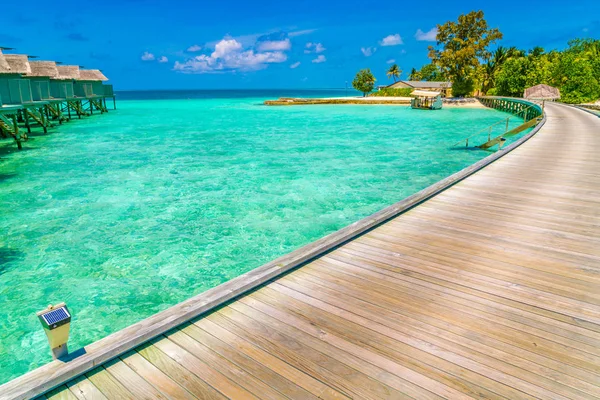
(156, 44)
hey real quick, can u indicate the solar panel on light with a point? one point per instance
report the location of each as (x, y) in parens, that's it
(56, 316)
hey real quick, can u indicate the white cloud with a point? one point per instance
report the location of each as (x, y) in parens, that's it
(163, 59)
(275, 45)
(391, 40)
(147, 56)
(429, 36)
(229, 55)
(391, 61)
(225, 47)
(314, 48)
(368, 51)
(295, 65)
(194, 48)
(320, 59)
(301, 33)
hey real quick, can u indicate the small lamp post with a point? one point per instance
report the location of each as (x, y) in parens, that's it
(56, 321)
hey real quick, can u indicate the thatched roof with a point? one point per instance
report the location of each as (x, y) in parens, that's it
(17, 64)
(67, 72)
(4, 67)
(92, 75)
(542, 92)
(43, 69)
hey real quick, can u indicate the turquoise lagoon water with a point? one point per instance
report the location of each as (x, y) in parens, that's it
(126, 214)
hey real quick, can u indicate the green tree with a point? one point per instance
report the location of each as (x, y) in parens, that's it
(394, 72)
(536, 51)
(574, 71)
(414, 75)
(461, 46)
(575, 77)
(364, 81)
(511, 79)
(432, 73)
(493, 65)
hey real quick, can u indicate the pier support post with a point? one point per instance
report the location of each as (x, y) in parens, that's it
(17, 135)
(44, 120)
(26, 118)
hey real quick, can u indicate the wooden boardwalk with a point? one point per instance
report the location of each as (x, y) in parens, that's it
(489, 290)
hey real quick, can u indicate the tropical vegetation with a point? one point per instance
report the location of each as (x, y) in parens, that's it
(467, 55)
(461, 46)
(392, 92)
(364, 81)
(394, 72)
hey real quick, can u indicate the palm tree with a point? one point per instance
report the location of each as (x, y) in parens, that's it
(414, 75)
(494, 64)
(394, 72)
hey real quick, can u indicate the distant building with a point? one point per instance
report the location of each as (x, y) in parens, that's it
(444, 87)
(542, 92)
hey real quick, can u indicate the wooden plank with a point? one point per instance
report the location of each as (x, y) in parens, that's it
(84, 389)
(61, 393)
(436, 289)
(211, 376)
(138, 386)
(259, 371)
(241, 344)
(284, 322)
(225, 367)
(418, 361)
(342, 371)
(460, 371)
(156, 377)
(108, 385)
(493, 326)
(192, 383)
(466, 344)
(447, 318)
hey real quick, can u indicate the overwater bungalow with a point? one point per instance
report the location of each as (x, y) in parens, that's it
(62, 85)
(8, 116)
(15, 90)
(90, 86)
(65, 85)
(41, 76)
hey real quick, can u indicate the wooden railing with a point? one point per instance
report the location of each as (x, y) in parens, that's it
(529, 112)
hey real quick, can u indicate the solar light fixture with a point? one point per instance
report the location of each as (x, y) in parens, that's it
(56, 321)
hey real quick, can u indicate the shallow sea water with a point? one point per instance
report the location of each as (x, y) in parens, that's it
(125, 214)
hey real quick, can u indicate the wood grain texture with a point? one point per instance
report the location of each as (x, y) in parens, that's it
(483, 286)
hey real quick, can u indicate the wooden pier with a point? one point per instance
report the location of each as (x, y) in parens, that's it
(485, 285)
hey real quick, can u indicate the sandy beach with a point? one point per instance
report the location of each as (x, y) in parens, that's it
(379, 100)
